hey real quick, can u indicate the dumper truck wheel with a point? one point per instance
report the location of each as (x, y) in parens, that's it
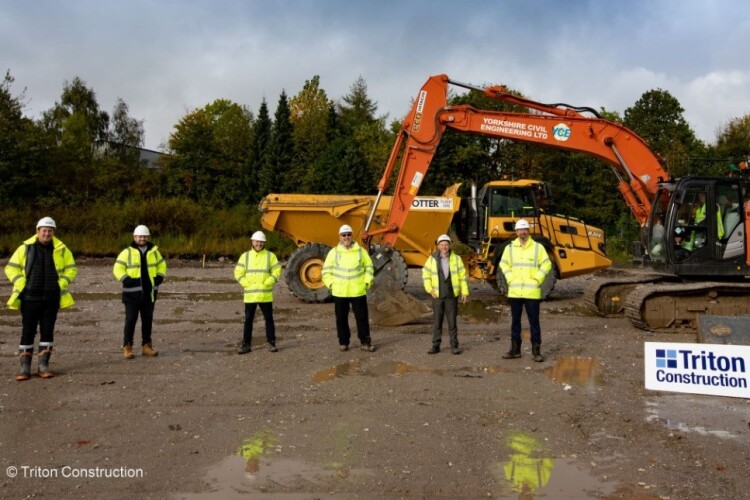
(304, 273)
(395, 267)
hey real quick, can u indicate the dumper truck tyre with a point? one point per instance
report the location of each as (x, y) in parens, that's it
(304, 273)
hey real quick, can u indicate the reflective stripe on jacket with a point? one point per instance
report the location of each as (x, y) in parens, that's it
(128, 265)
(524, 268)
(18, 268)
(431, 276)
(347, 272)
(257, 272)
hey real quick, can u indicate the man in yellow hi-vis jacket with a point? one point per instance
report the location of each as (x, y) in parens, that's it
(444, 277)
(348, 273)
(524, 263)
(40, 270)
(141, 269)
(257, 271)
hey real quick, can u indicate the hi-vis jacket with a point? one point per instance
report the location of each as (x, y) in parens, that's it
(257, 272)
(431, 277)
(20, 265)
(128, 265)
(348, 272)
(524, 268)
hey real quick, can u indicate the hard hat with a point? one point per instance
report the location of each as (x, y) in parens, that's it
(522, 224)
(678, 231)
(141, 231)
(444, 237)
(345, 229)
(46, 222)
(258, 236)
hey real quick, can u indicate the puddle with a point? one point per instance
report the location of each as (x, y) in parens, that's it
(357, 367)
(576, 371)
(573, 310)
(478, 311)
(255, 469)
(531, 471)
(708, 416)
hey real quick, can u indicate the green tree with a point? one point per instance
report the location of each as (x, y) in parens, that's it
(24, 150)
(733, 141)
(309, 117)
(211, 147)
(260, 152)
(657, 117)
(277, 163)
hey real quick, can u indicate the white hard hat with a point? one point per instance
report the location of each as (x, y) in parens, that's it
(258, 236)
(141, 231)
(522, 224)
(346, 228)
(444, 237)
(46, 222)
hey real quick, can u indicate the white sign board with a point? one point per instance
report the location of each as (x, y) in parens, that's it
(719, 370)
(432, 203)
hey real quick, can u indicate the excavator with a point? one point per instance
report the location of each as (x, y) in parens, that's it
(692, 228)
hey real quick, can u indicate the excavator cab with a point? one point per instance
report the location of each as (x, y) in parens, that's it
(696, 227)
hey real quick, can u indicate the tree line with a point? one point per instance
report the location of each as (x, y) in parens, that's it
(81, 165)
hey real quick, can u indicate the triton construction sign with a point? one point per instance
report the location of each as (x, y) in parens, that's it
(719, 370)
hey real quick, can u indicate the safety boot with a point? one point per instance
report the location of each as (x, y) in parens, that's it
(536, 353)
(25, 373)
(44, 371)
(244, 348)
(127, 352)
(515, 350)
(149, 351)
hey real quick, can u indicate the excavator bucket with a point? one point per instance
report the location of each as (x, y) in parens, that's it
(390, 306)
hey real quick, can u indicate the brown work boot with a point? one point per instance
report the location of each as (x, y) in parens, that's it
(127, 352)
(149, 351)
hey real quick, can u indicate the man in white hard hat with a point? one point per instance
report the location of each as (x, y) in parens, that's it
(257, 272)
(444, 278)
(348, 273)
(524, 263)
(41, 269)
(141, 269)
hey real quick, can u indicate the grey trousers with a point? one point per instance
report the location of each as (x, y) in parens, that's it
(447, 307)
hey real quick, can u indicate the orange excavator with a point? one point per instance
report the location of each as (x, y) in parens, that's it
(701, 270)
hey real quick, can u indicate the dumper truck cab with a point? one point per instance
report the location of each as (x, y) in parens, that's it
(486, 223)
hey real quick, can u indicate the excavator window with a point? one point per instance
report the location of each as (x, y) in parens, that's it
(512, 203)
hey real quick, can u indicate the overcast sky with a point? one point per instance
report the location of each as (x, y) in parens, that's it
(166, 58)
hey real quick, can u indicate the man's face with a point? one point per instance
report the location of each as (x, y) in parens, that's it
(258, 245)
(444, 247)
(523, 234)
(346, 239)
(140, 240)
(45, 234)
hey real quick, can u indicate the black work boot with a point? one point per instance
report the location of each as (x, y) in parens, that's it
(434, 349)
(536, 353)
(515, 350)
(44, 370)
(25, 373)
(244, 348)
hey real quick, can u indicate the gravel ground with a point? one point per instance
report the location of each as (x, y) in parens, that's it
(199, 421)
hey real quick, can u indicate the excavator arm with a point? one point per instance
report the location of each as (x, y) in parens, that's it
(636, 167)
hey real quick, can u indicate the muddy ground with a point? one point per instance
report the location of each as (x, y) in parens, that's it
(309, 421)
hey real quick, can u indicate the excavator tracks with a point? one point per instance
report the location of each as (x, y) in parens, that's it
(607, 298)
(675, 307)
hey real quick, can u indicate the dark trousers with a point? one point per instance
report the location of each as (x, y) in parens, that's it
(38, 313)
(448, 308)
(532, 313)
(361, 316)
(267, 309)
(132, 310)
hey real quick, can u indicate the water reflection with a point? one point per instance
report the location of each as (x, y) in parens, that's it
(576, 371)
